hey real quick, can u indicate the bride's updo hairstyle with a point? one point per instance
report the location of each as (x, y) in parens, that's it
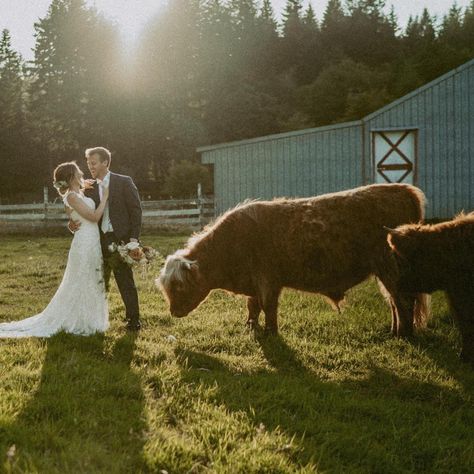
(64, 175)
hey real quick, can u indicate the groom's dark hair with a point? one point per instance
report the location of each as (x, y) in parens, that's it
(103, 153)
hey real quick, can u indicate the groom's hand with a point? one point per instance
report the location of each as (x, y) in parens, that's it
(89, 183)
(73, 226)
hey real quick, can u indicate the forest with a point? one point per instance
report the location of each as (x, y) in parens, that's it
(204, 72)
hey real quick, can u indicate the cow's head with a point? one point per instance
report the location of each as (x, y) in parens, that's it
(182, 284)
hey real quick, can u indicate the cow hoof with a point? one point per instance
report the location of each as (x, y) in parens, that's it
(271, 330)
(405, 333)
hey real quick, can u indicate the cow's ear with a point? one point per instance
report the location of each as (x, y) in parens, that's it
(195, 269)
(192, 268)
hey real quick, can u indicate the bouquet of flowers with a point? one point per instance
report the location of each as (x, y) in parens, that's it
(133, 253)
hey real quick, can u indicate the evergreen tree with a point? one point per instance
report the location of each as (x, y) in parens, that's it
(267, 15)
(453, 49)
(71, 81)
(333, 15)
(393, 20)
(170, 92)
(468, 29)
(333, 31)
(269, 40)
(309, 19)
(265, 59)
(370, 34)
(293, 35)
(245, 37)
(451, 26)
(420, 62)
(292, 18)
(17, 170)
(310, 61)
(236, 80)
(11, 84)
(244, 14)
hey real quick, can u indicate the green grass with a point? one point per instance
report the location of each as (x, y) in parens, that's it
(333, 393)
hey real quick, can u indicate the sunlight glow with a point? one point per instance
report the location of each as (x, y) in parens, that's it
(131, 16)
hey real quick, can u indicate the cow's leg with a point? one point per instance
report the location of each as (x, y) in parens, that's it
(463, 309)
(268, 300)
(393, 309)
(254, 309)
(404, 305)
(386, 294)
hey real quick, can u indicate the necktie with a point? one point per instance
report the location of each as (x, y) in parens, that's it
(105, 216)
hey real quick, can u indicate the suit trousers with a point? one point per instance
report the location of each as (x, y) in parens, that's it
(123, 276)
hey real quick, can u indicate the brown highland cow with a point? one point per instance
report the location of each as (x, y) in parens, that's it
(325, 244)
(441, 257)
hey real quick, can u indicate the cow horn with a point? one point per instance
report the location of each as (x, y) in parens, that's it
(190, 263)
(392, 231)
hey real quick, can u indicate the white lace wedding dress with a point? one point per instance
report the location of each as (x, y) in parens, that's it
(80, 303)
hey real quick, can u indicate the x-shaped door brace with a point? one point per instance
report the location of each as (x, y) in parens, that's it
(408, 165)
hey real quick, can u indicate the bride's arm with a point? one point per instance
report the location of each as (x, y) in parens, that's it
(83, 210)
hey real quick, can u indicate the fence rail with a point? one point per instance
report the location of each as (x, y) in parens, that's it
(188, 212)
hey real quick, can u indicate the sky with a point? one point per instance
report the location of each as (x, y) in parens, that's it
(18, 16)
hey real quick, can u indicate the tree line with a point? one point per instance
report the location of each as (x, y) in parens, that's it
(205, 72)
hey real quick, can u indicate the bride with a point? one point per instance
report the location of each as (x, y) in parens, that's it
(80, 304)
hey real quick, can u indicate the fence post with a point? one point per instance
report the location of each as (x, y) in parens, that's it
(45, 203)
(199, 204)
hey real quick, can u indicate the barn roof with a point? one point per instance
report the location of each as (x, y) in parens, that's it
(278, 136)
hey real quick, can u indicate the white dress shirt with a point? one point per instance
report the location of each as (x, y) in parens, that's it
(106, 225)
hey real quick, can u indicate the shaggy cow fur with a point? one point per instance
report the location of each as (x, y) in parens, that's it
(441, 257)
(325, 244)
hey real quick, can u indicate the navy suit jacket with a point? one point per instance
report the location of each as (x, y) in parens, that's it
(125, 210)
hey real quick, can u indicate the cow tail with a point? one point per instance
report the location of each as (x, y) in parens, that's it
(422, 311)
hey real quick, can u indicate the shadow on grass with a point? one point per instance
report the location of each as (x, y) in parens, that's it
(381, 423)
(87, 412)
(442, 344)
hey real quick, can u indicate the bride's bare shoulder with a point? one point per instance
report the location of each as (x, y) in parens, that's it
(71, 198)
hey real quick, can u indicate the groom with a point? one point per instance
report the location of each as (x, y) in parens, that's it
(121, 222)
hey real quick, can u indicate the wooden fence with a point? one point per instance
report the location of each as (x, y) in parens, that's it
(177, 212)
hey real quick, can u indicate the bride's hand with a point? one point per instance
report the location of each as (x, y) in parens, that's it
(105, 193)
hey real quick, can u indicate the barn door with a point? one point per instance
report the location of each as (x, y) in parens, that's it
(394, 153)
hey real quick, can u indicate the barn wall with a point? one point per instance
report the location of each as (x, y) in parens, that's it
(315, 161)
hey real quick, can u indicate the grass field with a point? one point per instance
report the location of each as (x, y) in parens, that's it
(333, 393)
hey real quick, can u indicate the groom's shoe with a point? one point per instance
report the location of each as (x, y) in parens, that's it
(133, 325)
